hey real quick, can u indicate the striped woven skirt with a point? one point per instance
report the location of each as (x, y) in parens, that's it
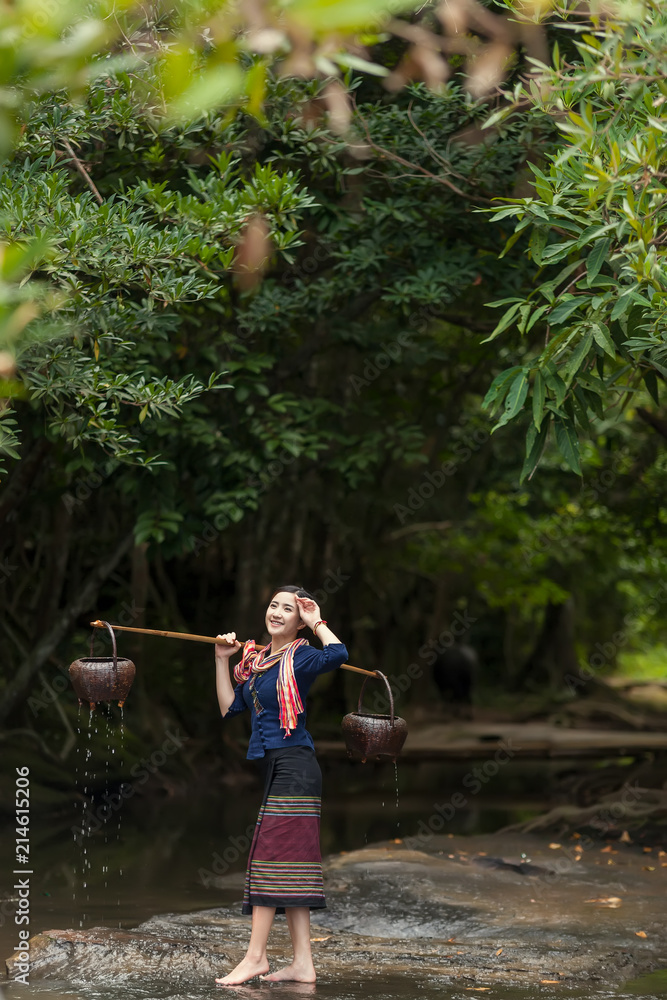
(285, 864)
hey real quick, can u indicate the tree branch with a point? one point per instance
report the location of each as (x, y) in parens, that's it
(656, 423)
(416, 166)
(45, 646)
(82, 170)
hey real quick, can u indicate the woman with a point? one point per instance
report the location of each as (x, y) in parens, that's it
(284, 873)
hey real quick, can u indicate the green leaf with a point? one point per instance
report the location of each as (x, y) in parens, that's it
(568, 443)
(555, 383)
(348, 60)
(573, 363)
(535, 315)
(215, 86)
(596, 258)
(564, 309)
(659, 368)
(559, 342)
(594, 232)
(622, 305)
(547, 289)
(556, 252)
(497, 116)
(594, 401)
(581, 408)
(510, 242)
(503, 302)
(499, 383)
(537, 243)
(539, 396)
(505, 321)
(535, 443)
(602, 337)
(516, 397)
(503, 213)
(651, 383)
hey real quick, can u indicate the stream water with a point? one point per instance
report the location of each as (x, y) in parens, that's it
(362, 984)
(151, 856)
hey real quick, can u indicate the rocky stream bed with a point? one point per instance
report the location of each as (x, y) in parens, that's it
(477, 912)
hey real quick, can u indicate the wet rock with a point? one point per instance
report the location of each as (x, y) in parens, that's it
(87, 955)
(479, 910)
(522, 867)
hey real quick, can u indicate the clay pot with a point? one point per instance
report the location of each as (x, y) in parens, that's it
(102, 678)
(374, 737)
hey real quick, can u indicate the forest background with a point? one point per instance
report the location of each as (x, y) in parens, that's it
(258, 342)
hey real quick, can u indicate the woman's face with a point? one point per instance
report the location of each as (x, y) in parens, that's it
(282, 617)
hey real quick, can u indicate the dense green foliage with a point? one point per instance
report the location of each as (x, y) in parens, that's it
(596, 314)
(189, 439)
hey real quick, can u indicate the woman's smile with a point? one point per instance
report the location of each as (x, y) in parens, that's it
(282, 615)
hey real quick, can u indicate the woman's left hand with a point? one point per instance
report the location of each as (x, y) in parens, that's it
(309, 611)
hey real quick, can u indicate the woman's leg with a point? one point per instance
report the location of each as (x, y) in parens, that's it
(255, 961)
(301, 968)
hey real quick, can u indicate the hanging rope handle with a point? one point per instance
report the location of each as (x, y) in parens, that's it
(99, 624)
(378, 673)
(205, 638)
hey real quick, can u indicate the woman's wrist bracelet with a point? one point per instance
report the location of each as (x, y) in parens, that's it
(322, 621)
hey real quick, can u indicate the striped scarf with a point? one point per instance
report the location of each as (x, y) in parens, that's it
(289, 699)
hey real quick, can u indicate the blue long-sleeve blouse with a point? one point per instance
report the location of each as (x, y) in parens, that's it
(266, 734)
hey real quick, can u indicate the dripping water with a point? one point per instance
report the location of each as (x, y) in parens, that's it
(77, 762)
(105, 857)
(121, 757)
(85, 830)
(398, 822)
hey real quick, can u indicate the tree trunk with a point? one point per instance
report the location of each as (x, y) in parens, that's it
(554, 655)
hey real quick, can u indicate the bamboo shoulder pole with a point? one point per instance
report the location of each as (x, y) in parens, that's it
(166, 635)
(204, 638)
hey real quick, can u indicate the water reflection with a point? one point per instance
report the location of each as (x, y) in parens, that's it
(370, 987)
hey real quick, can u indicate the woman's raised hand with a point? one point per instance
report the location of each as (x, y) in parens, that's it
(223, 652)
(309, 611)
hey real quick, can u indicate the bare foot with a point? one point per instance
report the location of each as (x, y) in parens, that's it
(247, 969)
(294, 973)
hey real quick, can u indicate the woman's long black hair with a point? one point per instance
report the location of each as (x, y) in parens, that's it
(289, 588)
